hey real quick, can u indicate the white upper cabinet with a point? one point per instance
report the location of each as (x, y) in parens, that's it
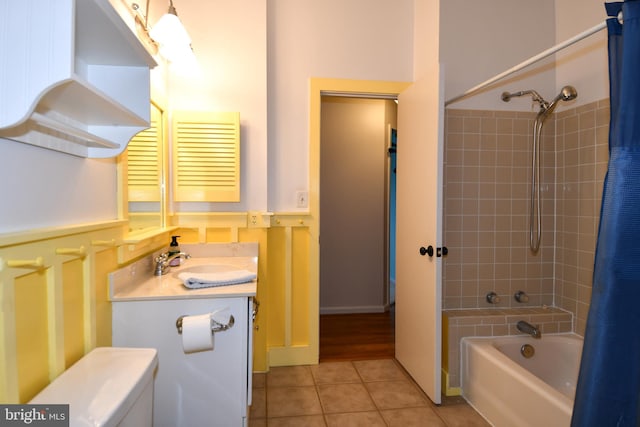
(73, 76)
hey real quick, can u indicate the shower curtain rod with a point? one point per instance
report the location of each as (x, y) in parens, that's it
(529, 61)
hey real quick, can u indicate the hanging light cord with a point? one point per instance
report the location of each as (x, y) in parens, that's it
(146, 15)
(172, 10)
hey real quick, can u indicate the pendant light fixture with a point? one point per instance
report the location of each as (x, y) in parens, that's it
(174, 43)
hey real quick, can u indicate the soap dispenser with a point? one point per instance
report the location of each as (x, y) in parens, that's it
(174, 248)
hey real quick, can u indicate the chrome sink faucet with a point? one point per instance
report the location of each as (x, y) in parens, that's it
(163, 260)
(528, 328)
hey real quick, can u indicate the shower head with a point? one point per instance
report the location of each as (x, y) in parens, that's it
(567, 93)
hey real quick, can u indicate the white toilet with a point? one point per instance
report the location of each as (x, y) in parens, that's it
(109, 386)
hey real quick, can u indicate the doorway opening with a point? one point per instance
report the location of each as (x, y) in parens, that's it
(357, 243)
(418, 320)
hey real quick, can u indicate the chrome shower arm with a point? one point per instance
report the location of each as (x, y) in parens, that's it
(506, 96)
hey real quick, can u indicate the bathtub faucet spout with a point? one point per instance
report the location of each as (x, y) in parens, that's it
(528, 328)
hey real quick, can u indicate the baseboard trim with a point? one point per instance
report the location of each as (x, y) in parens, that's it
(353, 310)
(447, 390)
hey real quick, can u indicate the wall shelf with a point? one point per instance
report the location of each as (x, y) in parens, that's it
(73, 77)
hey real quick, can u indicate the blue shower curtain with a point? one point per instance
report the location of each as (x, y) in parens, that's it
(608, 392)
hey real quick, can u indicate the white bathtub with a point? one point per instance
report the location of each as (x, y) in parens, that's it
(511, 390)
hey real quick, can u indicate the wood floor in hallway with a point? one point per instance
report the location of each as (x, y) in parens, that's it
(359, 336)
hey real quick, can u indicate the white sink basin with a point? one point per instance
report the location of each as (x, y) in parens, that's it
(204, 269)
(137, 282)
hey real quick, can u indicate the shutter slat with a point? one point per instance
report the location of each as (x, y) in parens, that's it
(144, 162)
(206, 160)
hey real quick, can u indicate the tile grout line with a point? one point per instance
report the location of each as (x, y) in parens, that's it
(334, 378)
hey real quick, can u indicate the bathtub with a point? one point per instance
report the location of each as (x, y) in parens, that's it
(511, 390)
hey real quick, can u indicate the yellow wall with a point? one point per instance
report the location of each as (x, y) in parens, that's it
(54, 303)
(284, 331)
(293, 331)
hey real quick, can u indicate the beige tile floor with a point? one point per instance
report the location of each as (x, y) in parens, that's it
(366, 393)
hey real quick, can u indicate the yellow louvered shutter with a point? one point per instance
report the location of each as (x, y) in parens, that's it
(206, 156)
(144, 162)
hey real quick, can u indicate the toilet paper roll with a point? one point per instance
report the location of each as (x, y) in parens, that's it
(196, 333)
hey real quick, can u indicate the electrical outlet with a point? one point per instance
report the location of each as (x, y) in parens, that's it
(257, 219)
(254, 219)
(302, 199)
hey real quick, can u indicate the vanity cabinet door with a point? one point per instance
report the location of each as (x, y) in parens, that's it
(204, 388)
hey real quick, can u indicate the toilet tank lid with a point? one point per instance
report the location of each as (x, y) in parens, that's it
(101, 387)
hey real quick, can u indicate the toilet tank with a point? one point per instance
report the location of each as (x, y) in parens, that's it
(110, 386)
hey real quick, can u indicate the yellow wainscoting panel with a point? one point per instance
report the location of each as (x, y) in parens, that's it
(220, 235)
(293, 323)
(277, 267)
(105, 262)
(73, 306)
(55, 309)
(32, 333)
(187, 235)
(210, 226)
(300, 287)
(60, 311)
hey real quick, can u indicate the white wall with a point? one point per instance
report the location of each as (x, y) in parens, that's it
(355, 39)
(478, 40)
(229, 39)
(426, 42)
(584, 64)
(43, 188)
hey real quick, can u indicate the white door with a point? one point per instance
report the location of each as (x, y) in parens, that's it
(419, 230)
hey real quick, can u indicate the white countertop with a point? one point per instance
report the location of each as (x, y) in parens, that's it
(137, 283)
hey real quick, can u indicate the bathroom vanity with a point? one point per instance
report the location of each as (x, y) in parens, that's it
(209, 387)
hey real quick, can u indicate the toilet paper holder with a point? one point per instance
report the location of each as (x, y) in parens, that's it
(215, 325)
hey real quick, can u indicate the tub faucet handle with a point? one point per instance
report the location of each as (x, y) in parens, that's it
(493, 298)
(521, 296)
